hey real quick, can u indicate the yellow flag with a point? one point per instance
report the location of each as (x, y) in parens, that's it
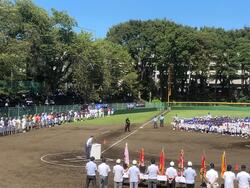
(223, 163)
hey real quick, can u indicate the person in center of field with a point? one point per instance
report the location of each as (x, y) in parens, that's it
(161, 121)
(127, 125)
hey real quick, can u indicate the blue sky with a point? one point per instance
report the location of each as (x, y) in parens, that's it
(97, 16)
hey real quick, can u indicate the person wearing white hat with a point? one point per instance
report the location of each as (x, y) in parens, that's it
(134, 175)
(190, 175)
(171, 174)
(152, 172)
(118, 172)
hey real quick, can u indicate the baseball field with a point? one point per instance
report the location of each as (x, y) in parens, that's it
(53, 157)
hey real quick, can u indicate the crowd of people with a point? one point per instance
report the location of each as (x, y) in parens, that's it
(14, 125)
(174, 178)
(208, 124)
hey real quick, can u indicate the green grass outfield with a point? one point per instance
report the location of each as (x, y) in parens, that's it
(145, 116)
(199, 113)
(120, 119)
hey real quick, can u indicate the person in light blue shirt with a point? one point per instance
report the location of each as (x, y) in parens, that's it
(190, 175)
(152, 172)
(91, 169)
(161, 120)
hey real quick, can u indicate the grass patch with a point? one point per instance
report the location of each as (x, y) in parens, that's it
(120, 119)
(199, 113)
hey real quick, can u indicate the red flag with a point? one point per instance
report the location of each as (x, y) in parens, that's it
(223, 163)
(203, 169)
(162, 162)
(141, 157)
(181, 163)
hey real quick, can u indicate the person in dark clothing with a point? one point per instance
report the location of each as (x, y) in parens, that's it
(127, 125)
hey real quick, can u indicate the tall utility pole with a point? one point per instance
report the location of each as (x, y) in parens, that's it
(170, 81)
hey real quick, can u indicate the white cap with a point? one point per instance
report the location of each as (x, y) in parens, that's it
(172, 163)
(118, 161)
(134, 162)
(190, 163)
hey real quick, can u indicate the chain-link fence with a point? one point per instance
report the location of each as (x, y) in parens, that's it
(20, 111)
(125, 108)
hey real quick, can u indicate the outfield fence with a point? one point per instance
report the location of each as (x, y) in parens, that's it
(210, 106)
(30, 110)
(122, 108)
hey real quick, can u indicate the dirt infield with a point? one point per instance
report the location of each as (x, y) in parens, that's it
(61, 151)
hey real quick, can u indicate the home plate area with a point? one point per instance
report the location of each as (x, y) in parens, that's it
(69, 159)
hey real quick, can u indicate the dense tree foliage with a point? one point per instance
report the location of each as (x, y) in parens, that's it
(136, 59)
(207, 63)
(44, 48)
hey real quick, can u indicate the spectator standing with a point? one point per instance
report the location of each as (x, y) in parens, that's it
(190, 175)
(212, 177)
(88, 146)
(103, 170)
(243, 178)
(161, 121)
(134, 175)
(118, 172)
(91, 169)
(229, 177)
(171, 174)
(152, 172)
(155, 122)
(2, 126)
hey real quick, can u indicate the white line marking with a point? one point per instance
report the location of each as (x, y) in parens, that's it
(63, 165)
(117, 142)
(105, 132)
(42, 158)
(57, 164)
